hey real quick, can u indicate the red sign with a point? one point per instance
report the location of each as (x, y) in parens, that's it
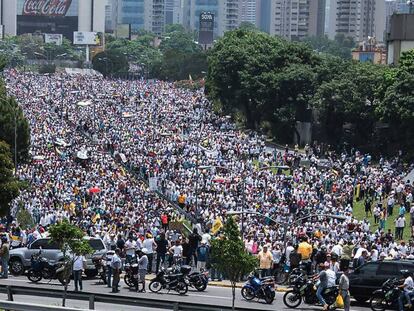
(46, 7)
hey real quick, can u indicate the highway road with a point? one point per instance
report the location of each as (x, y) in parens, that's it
(214, 295)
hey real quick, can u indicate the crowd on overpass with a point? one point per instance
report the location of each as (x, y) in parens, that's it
(93, 139)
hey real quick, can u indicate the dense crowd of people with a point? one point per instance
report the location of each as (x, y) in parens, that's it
(125, 159)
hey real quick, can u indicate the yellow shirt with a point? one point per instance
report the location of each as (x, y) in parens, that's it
(265, 260)
(181, 199)
(305, 250)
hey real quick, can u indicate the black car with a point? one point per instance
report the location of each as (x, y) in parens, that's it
(370, 276)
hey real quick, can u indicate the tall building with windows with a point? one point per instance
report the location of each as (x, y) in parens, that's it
(358, 19)
(263, 10)
(212, 6)
(247, 11)
(296, 19)
(155, 16)
(231, 15)
(132, 12)
(176, 12)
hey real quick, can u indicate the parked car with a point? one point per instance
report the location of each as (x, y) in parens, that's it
(20, 257)
(370, 276)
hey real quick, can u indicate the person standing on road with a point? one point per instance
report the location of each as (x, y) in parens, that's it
(265, 261)
(78, 265)
(193, 241)
(4, 255)
(149, 244)
(202, 256)
(323, 284)
(344, 289)
(162, 247)
(142, 268)
(116, 265)
(109, 255)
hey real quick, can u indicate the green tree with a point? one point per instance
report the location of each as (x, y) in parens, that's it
(24, 218)
(349, 96)
(70, 240)
(262, 79)
(12, 120)
(111, 61)
(9, 185)
(340, 47)
(396, 105)
(230, 256)
(180, 41)
(248, 26)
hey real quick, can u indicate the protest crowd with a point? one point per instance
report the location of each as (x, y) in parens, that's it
(125, 160)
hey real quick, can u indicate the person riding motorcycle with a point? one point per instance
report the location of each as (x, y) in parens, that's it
(326, 279)
(407, 291)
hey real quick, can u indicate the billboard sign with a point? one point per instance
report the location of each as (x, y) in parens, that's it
(46, 7)
(206, 28)
(87, 38)
(54, 38)
(47, 17)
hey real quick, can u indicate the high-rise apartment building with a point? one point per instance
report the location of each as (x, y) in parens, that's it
(358, 19)
(297, 19)
(231, 15)
(131, 12)
(212, 6)
(263, 10)
(247, 11)
(155, 16)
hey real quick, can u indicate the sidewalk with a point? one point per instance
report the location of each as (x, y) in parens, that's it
(225, 283)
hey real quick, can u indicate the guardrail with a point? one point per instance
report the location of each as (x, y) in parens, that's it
(93, 298)
(21, 306)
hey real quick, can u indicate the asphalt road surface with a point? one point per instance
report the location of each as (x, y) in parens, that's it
(217, 296)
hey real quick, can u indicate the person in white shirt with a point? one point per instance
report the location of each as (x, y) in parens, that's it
(78, 266)
(130, 246)
(206, 237)
(116, 265)
(407, 293)
(150, 245)
(337, 249)
(177, 251)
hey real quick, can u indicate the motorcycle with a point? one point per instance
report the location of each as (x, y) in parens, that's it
(297, 272)
(100, 267)
(263, 288)
(387, 297)
(131, 277)
(197, 280)
(169, 281)
(42, 269)
(304, 289)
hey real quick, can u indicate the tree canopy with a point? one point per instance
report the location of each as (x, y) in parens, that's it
(9, 185)
(340, 47)
(11, 119)
(177, 57)
(268, 84)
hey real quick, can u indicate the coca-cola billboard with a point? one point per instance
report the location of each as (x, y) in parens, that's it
(46, 7)
(48, 17)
